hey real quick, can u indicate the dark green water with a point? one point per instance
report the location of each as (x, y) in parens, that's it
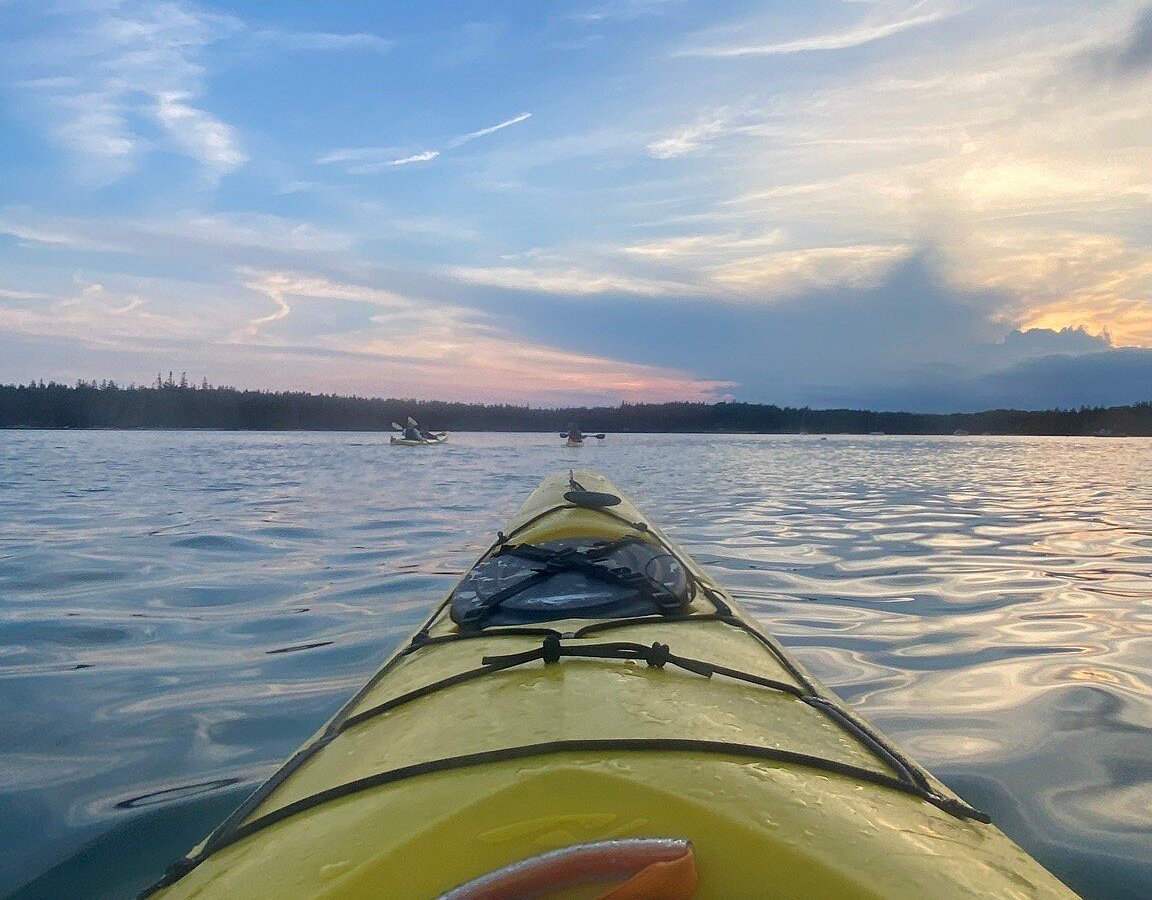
(178, 611)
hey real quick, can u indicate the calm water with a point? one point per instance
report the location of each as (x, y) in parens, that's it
(178, 611)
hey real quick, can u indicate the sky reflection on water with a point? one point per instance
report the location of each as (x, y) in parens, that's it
(178, 611)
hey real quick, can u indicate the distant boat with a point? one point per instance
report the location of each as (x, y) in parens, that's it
(960, 432)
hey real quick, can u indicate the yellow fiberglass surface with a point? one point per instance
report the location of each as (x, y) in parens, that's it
(476, 748)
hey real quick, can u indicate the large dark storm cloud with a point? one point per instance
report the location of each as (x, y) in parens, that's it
(912, 342)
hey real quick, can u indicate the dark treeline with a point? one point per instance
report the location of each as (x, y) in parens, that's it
(176, 404)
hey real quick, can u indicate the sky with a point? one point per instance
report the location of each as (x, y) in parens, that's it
(942, 205)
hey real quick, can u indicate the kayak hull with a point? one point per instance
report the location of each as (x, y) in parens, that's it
(405, 442)
(434, 775)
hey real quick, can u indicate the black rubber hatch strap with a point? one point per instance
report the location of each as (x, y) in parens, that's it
(656, 654)
(610, 745)
(551, 651)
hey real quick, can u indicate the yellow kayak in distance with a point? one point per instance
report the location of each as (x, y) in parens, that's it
(589, 714)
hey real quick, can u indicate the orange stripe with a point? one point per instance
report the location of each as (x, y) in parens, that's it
(672, 880)
(654, 869)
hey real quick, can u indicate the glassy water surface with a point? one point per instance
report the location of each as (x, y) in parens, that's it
(180, 610)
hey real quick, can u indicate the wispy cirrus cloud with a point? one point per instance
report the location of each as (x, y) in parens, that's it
(570, 279)
(114, 311)
(214, 239)
(367, 160)
(763, 268)
(280, 286)
(691, 138)
(625, 10)
(101, 75)
(32, 231)
(491, 129)
(866, 32)
(424, 156)
(97, 71)
(201, 136)
(325, 41)
(10, 294)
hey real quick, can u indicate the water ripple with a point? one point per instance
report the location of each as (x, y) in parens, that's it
(178, 611)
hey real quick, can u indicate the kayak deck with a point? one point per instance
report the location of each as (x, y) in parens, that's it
(423, 442)
(480, 745)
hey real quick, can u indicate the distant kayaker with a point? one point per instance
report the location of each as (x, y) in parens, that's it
(575, 435)
(412, 431)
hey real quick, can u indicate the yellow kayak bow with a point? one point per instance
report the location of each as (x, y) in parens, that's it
(589, 714)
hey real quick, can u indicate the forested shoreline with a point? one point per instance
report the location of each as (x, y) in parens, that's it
(178, 405)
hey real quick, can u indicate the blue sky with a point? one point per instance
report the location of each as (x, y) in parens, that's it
(918, 205)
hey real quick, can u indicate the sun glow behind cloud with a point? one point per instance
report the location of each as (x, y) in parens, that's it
(982, 160)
